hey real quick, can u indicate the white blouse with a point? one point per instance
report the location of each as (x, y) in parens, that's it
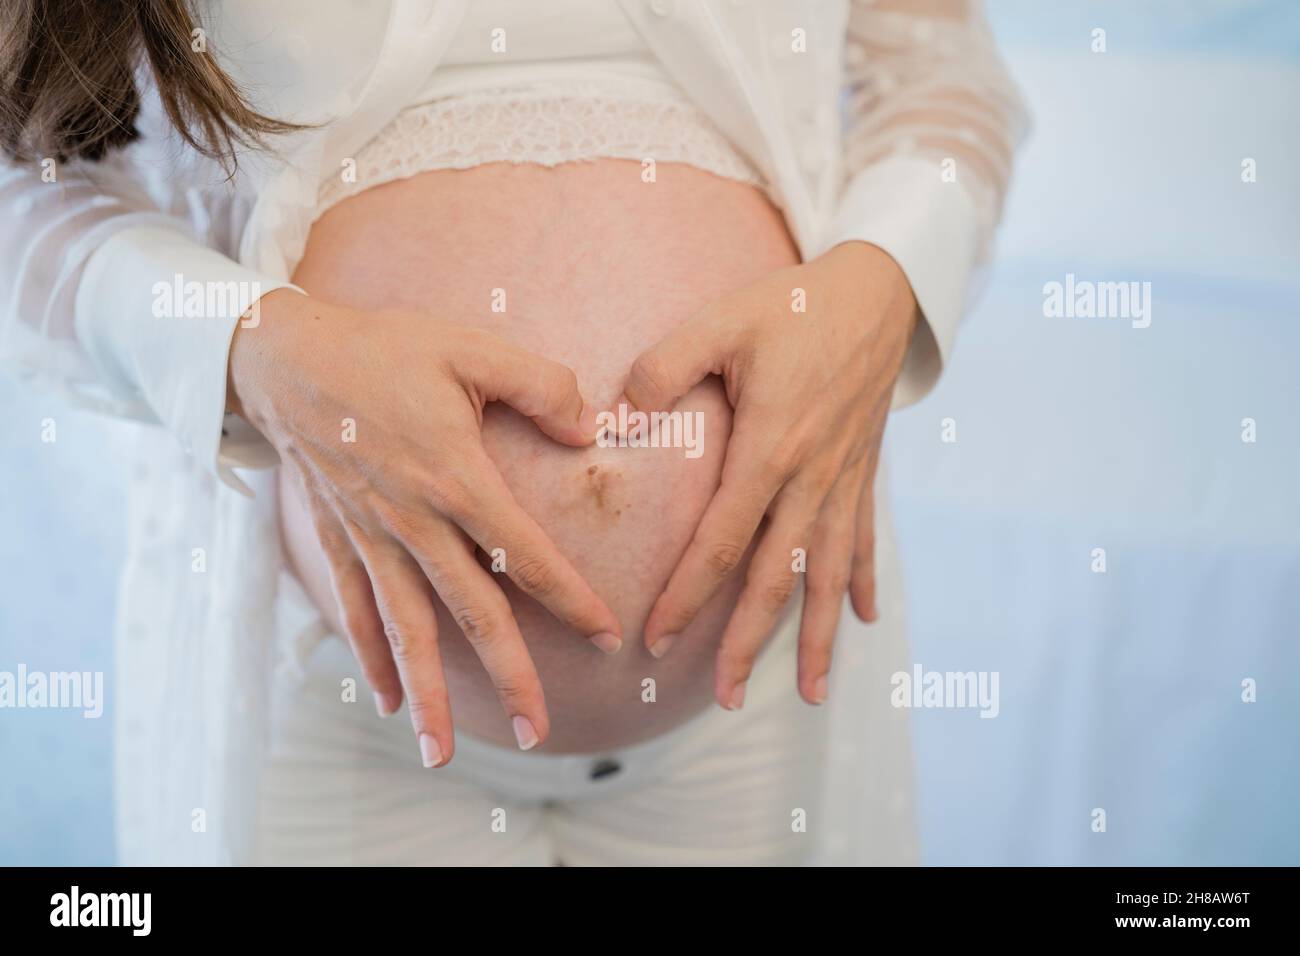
(521, 85)
(891, 122)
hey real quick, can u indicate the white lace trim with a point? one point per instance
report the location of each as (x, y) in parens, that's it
(558, 123)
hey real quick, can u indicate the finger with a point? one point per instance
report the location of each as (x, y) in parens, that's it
(830, 556)
(360, 616)
(355, 600)
(545, 391)
(483, 614)
(405, 604)
(484, 507)
(751, 476)
(768, 588)
(675, 364)
(862, 583)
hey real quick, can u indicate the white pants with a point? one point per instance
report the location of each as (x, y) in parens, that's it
(347, 787)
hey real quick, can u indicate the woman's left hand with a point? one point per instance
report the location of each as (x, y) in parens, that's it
(809, 356)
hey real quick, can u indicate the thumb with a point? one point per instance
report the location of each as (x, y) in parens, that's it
(677, 363)
(545, 391)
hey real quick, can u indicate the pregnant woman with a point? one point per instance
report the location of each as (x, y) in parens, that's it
(393, 261)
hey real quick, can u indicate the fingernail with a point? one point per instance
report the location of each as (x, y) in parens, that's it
(607, 642)
(632, 427)
(819, 690)
(660, 647)
(524, 732)
(587, 422)
(874, 614)
(430, 752)
(737, 697)
(383, 705)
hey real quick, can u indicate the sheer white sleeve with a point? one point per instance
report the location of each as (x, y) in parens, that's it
(932, 122)
(89, 271)
(54, 217)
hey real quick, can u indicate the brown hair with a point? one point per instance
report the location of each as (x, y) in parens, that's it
(68, 80)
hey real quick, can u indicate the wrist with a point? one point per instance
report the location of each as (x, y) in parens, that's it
(876, 278)
(251, 345)
(877, 284)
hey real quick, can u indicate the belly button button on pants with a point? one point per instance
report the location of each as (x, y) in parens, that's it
(603, 768)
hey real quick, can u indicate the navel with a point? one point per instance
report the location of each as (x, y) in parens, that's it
(602, 485)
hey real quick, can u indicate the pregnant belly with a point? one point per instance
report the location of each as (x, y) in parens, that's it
(588, 265)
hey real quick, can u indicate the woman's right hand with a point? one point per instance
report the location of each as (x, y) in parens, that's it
(379, 416)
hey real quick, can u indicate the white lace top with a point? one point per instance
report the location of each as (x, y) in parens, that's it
(519, 85)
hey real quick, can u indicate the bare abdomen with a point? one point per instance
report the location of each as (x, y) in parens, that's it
(593, 266)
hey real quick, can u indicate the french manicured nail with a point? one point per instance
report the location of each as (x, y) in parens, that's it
(587, 423)
(660, 647)
(384, 706)
(607, 642)
(524, 732)
(819, 690)
(737, 697)
(430, 752)
(619, 420)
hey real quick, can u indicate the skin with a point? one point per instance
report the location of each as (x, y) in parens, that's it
(406, 513)
(597, 265)
(422, 388)
(808, 466)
